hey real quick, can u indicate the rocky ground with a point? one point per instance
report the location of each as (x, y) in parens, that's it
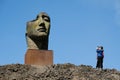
(56, 72)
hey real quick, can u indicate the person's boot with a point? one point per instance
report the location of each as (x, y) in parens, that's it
(100, 69)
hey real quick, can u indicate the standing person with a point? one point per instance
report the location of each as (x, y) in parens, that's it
(100, 56)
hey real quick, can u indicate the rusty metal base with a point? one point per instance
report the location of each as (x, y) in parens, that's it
(39, 57)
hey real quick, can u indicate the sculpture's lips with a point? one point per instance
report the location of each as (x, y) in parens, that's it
(41, 29)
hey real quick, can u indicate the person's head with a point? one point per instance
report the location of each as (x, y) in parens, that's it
(100, 47)
(40, 26)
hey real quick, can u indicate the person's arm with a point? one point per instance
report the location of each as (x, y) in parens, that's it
(97, 56)
(103, 54)
(97, 53)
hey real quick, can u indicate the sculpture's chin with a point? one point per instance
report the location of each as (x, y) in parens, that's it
(42, 34)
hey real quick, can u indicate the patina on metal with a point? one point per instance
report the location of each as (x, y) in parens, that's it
(37, 32)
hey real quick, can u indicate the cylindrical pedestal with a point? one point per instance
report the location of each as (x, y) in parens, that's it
(39, 57)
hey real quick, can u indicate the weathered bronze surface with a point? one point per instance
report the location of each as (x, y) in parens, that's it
(37, 32)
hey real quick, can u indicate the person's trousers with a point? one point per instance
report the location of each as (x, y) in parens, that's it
(99, 62)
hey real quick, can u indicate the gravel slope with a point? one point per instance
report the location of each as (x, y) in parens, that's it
(56, 72)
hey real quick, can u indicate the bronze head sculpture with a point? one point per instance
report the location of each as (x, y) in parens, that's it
(37, 32)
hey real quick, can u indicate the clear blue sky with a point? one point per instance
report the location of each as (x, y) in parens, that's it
(77, 27)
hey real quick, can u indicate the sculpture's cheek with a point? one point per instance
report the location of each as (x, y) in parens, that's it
(47, 25)
(35, 25)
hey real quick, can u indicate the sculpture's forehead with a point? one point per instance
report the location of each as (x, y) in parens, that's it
(42, 14)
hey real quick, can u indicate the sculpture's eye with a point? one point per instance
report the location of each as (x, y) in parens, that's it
(46, 18)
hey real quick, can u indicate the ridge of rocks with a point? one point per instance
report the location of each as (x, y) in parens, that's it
(66, 71)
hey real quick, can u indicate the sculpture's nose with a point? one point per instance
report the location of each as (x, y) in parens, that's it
(42, 25)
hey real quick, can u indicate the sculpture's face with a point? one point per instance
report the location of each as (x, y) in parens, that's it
(40, 26)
